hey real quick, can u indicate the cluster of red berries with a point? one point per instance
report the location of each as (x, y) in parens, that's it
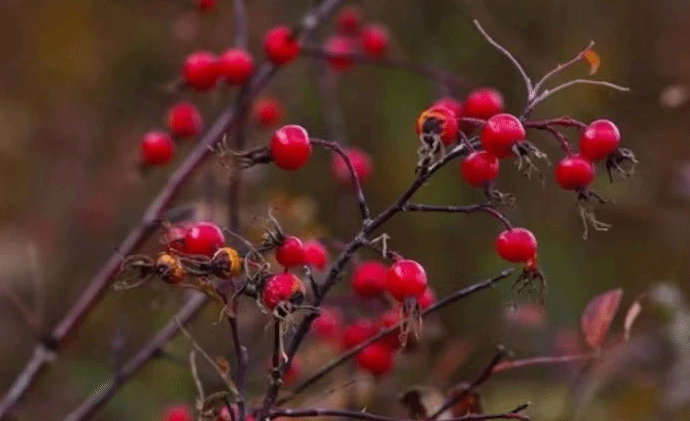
(351, 37)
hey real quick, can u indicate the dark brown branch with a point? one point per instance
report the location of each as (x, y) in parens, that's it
(359, 415)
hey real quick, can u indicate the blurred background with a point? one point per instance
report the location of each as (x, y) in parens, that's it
(81, 81)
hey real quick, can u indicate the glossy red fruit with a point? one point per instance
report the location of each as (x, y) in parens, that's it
(281, 288)
(406, 279)
(268, 112)
(174, 237)
(387, 320)
(315, 254)
(483, 103)
(375, 40)
(479, 168)
(291, 252)
(200, 70)
(206, 6)
(438, 121)
(179, 412)
(184, 120)
(361, 163)
(378, 359)
(349, 20)
(280, 46)
(369, 279)
(452, 104)
(157, 148)
(427, 299)
(517, 245)
(358, 332)
(328, 325)
(574, 173)
(235, 66)
(290, 147)
(599, 139)
(500, 133)
(339, 45)
(204, 239)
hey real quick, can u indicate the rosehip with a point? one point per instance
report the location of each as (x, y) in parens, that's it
(235, 66)
(483, 103)
(361, 163)
(375, 40)
(282, 288)
(517, 245)
(204, 239)
(574, 173)
(358, 332)
(500, 133)
(315, 254)
(599, 139)
(268, 112)
(179, 412)
(376, 358)
(452, 104)
(369, 279)
(406, 279)
(157, 148)
(349, 20)
(200, 70)
(479, 168)
(437, 122)
(174, 238)
(184, 120)
(280, 46)
(328, 325)
(339, 45)
(291, 252)
(387, 320)
(427, 299)
(206, 5)
(290, 147)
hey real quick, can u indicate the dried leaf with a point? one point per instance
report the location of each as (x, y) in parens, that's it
(593, 59)
(422, 401)
(223, 365)
(467, 403)
(598, 315)
(631, 316)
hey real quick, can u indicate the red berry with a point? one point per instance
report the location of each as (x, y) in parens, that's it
(427, 299)
(315, 254)
(361, 163)
(452, 104)
(437, 121)
(358, 332)
(280, 46)
(281, 288)
(200, 70)
(375, 40)
(179, 412)
(292, 371)
(479, 168)
(184, 120)
(387, 320)
(203, 239)
(291, 252)
(599, 139)
(574, 173)
(517, 245)
(483, 103)
(339, 45)
(290, 147)
(157, 148)
(406, 279)
(206, 5)
(174, 237)
(236, 66)
(369, 279)
(500, 133)
(328, 325)
(349, 20)
(377, 359)
(268, 112)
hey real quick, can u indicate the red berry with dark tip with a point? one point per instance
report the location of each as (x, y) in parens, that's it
(290, 147)
(291, 252)
(361, 163)
(452, 104)
(268, 112)
(599, 140)
(517, 245)
(180, 412)
(574, 173)
(369, 279)
(406, 279)
(358, 332)
(437, 122)
(184, 120)
(500, 133)
(427, 299)
(483, 103)
(281, 288)
(204, 239)
(378, 359)
(315, 254)
(479, 168)
(279, 45)
(349, 20)
(200, 70)
(339, 45)
(375, 40)
(157, 148)
(235, 66)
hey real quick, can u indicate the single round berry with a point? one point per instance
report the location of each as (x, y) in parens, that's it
(378, 359)
(406, 279)
(361, 163)
(574, 173)
(479, 168)
(599, 140)
(184, 120)
(437, 122)
(386, 321)
(290, 147)
(369, 279)
(235, 66)
(268, 112)
(452, 104)
(291, 252)
(358, 332)
(174, 237)
(517, 245)
(179, 412)
(375, 40)
(483, 103)
(280, 46)
(500, 133)
(203, 239)
(200, 70)
(206, 6)
(315, 254)
(339, 45)
(349, 20)
(427, 299)
(157, 148)
(328, 325)
(282, 288)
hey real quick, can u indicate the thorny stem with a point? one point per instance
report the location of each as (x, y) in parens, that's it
(317, 412)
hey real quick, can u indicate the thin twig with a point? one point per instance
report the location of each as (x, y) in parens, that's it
(561, 359)
(560, 68)
(548, 92)
(360, 415)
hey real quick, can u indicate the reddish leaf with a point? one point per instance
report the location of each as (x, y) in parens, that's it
(593, 59)
(598, 315)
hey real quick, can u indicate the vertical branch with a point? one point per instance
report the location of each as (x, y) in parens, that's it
(240, 24)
